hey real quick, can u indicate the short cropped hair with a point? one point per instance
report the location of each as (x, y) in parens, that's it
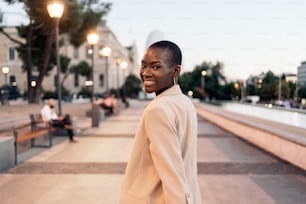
(175, 53)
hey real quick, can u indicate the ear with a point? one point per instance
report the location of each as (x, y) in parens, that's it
(177, 70)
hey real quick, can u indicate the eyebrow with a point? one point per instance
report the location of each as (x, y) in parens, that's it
(154, 62)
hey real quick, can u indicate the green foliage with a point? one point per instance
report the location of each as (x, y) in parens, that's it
(302, 91)
(292, 89)
(83, 68)
(64, 63)
(85, 92)
(213, 80)
(184, 81)
(131, 86)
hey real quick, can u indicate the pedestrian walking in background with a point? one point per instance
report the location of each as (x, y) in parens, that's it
(162, 168)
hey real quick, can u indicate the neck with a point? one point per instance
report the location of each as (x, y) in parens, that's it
(162, 90)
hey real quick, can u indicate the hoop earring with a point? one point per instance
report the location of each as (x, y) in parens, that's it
(174, 81)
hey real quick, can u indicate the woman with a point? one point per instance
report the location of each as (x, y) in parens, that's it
(162, 167)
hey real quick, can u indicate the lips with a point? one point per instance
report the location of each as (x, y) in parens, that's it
(148, 83)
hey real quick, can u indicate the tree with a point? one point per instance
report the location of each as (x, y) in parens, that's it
(38, 51)
(213, 79)
(267, 91)
(131, 86)
(185, 80)
(302, 91)
(292, 88)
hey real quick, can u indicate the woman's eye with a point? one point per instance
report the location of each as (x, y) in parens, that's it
(143, 66)
(156, 67)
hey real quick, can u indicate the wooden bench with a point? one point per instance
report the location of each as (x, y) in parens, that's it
(38, 128)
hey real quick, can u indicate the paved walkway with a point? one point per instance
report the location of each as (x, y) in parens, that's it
(90, 171)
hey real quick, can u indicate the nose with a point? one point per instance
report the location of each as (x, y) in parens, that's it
(146, 72)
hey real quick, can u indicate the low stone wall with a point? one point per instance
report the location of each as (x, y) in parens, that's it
(6, 152)
(285, 142)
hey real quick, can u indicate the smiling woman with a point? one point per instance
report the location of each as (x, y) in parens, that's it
(165, 146)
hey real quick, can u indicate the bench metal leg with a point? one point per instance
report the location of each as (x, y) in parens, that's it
(50, 138)
(16, 146)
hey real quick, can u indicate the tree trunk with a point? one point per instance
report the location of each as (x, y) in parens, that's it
(46, 59)
(29, 65)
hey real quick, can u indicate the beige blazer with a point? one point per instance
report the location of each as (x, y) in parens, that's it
(162, 167)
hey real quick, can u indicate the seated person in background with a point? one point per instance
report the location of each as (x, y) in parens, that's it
(49, 115)
(125, 101)
(109, 104)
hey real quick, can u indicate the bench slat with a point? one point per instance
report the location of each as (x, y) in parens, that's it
(31, 135)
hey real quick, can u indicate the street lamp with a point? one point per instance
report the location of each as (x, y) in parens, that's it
(55, 10)
(118, 62)
(106, 52)
(124, 65)
(5, 71)
(203, 74)
(92, 39)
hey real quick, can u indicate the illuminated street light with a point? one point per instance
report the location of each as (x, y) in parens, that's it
(92, 39)
(118, 62)
(124, 65)
(203, 74)
(55, 10)
(5, 71)
(33, 83)
(106, 52)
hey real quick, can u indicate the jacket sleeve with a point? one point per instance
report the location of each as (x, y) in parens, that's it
(165, 149)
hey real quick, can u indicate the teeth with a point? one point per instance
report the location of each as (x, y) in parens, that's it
(148, 82)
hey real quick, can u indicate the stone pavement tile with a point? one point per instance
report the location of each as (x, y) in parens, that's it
(233, 189)
(88, 149)
(60, 189)
(283, 189)
(206, 129)
(111, 128)
(230, 149)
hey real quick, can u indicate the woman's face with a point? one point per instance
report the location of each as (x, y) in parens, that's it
(155, 71)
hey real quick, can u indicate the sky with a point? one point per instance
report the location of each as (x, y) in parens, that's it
(247, 36)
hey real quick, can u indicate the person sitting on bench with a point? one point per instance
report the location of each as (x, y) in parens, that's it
(49, 115)
(109, 104)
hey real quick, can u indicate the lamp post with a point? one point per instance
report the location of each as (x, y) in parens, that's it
(106, 52)
(5, 91)
(55, 10)
(5, 71)
(280, 88)
(124, 65)
(203, 74)
(92, 39)
(118, 62)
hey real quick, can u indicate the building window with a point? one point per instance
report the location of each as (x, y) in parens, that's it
(100, 48)
(76, 53)
(76, 79)
(12, 54)
(101, 80)
(13, 80)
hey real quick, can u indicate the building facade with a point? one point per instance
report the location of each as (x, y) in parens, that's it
(74, 82)
(301, 74)
(9, 58)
